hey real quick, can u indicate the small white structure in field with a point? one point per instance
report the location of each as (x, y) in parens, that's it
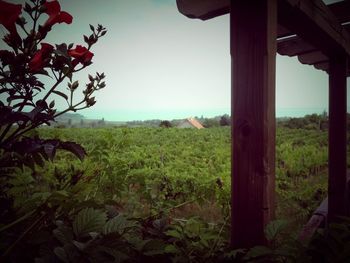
(190, 123)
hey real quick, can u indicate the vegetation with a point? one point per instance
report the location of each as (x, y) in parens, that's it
(170, 189)
(129, 195)
(309, 122)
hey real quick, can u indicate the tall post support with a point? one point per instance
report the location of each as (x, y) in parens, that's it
(253, 56)
(337, 138)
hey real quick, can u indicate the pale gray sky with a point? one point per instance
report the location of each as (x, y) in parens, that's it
(161, 64)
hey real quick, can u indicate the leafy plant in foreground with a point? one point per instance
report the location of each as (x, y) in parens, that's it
(27, 93)
(31, 73)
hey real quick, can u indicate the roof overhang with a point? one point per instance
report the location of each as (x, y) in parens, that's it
(311, 30)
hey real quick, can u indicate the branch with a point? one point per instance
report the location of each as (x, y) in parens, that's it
(15, 134)
(17, 221)
(53, 72)
(72, 108)
(35, 18)
(54, 86)
(2, 136)
(33, 126)
(23, 235)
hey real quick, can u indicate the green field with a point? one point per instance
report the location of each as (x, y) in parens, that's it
(159, 193)
(147, 170)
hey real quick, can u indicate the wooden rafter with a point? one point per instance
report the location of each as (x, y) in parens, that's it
(318, 35)
(294, 46)
(203, 10)
(314, 22)
(209, 9)
(341, 11)
(307, 29)
(283, 32)
(313, 57)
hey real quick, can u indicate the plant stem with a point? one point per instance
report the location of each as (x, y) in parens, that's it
(68, 109)
(17, 221)
(14, 134)
(171, 208)
(54, 87)
(35, 18)
(217, 238)
(2, 136)
(22, 236)
(71, 98)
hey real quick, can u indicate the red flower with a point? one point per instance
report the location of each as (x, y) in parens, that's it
(81, 55)
(9, 13)
(38, 60)
(53, 9)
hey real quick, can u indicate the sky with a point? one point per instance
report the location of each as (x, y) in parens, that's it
(162, 65)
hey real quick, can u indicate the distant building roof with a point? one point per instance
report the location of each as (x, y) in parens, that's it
(190, 123)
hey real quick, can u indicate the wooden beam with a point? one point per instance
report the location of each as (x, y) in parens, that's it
(337, 137)
(317, 220)
(322, 66)
(312, 57)
(203, 9)
(208, 9)
(283, 32)
(341, 10)
(253, 54)
(347, 27)
(315, 23)
(294, 46)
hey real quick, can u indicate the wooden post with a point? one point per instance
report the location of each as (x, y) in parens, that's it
(337, 137)
(253, 53)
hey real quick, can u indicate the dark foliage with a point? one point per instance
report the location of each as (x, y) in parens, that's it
(27, 103)
(165, 124)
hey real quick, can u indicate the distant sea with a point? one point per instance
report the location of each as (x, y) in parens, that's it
(132, 115)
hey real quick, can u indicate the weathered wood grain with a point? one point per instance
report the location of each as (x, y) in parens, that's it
(337, 137)
(253, 51)
(317, 220)
(294, 46)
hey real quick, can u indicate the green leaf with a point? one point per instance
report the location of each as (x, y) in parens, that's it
(43, 72)
(119, 224)
(258, 251)
(79, 245)
(62, 53)
(74, 148)
(64, 234)
(52, 104)
(117, 255)
(27, 8)
(86, 39)
(72, 252)
(59, 93)
(171, 249)
(234, 253)
(153, 247)
(75, 85)
(59, 195)
(88, 220)
(274, 228)
(61, 254)
(91, 78)
(38, 159)
(174, 233)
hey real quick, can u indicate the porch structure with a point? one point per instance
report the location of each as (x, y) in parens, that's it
(318, 34)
